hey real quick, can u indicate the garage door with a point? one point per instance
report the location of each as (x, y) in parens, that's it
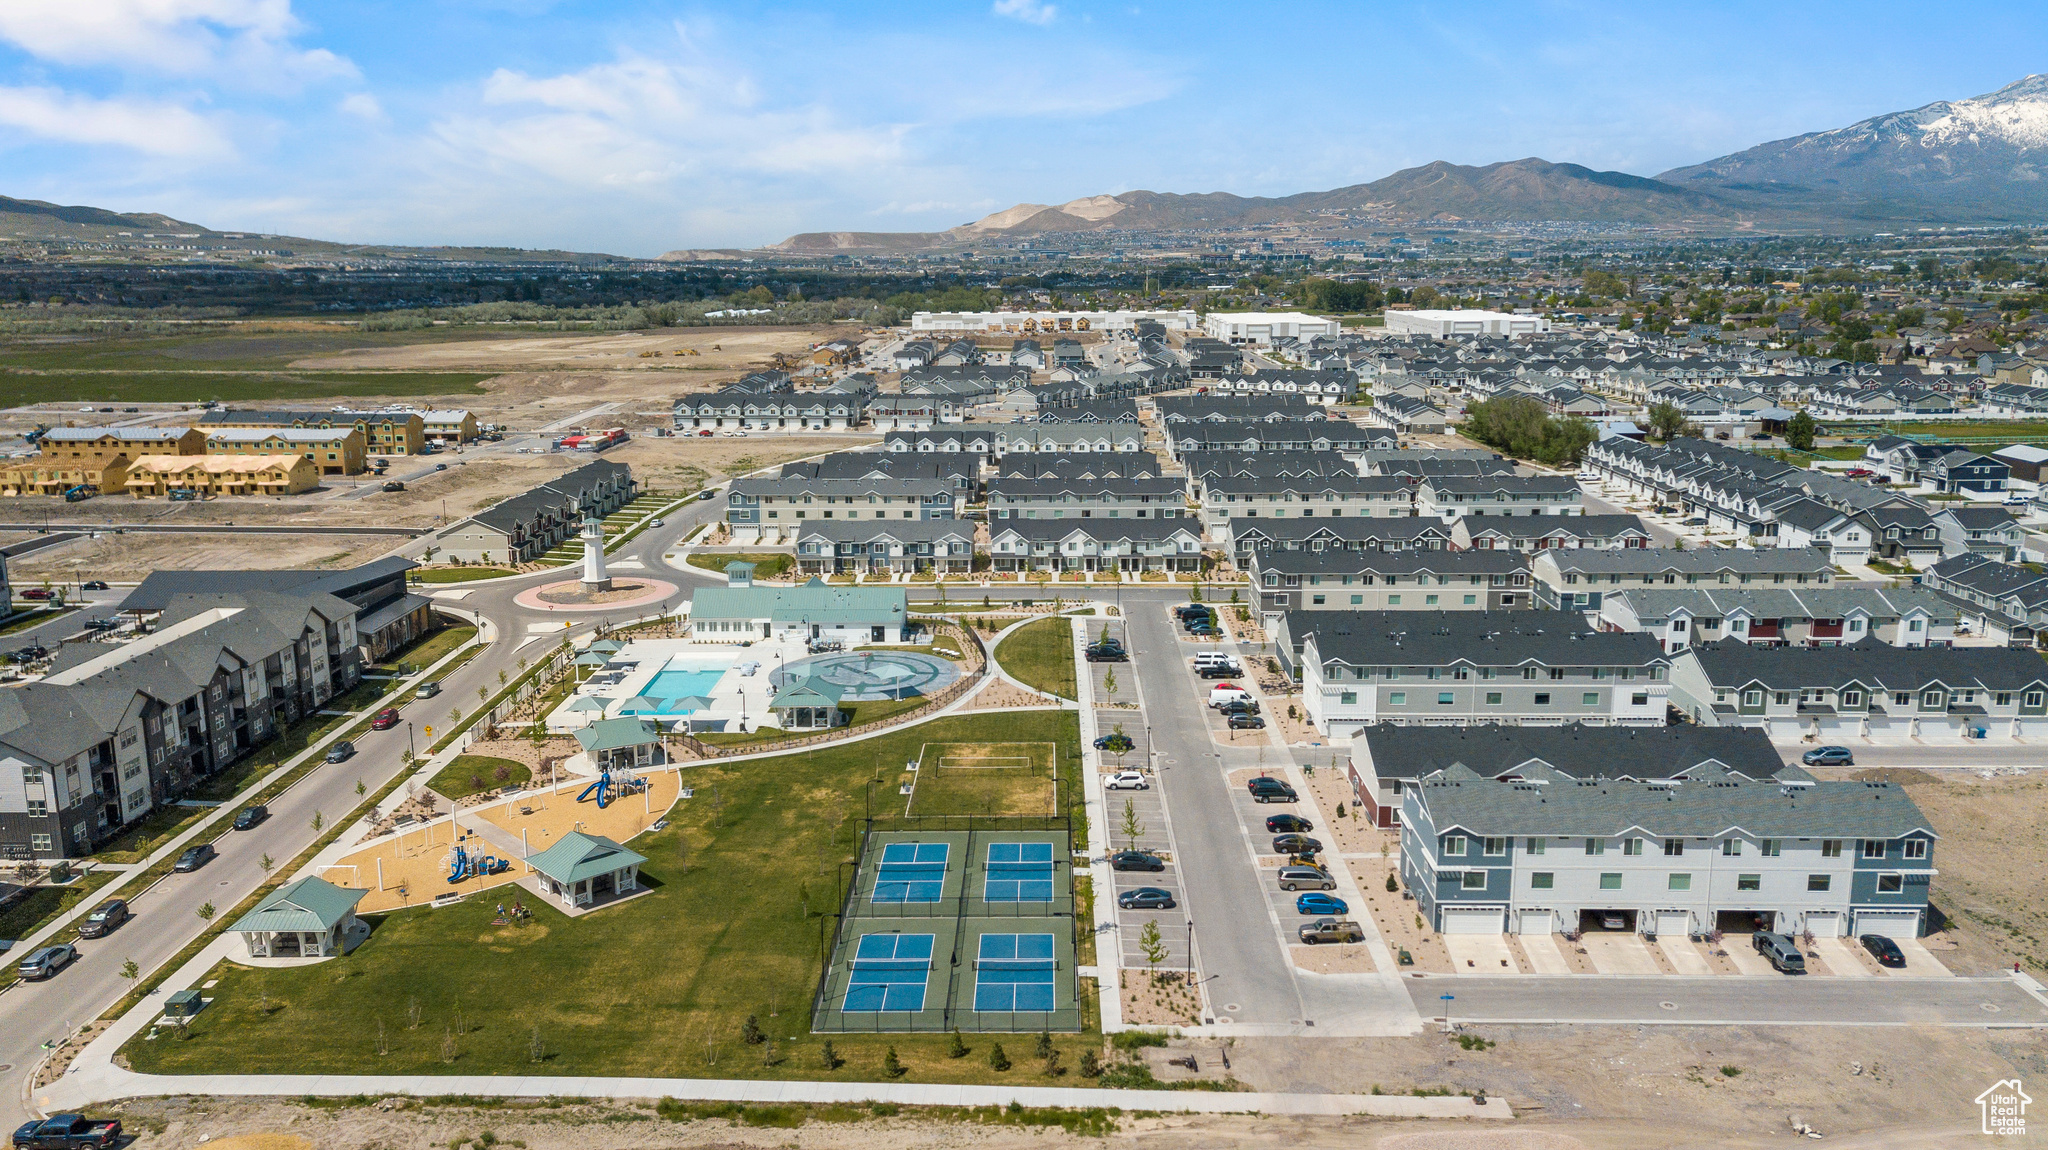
(1535, 922)
(1673, 923)
(1889, 923)
(1472, 920)
(1824, 923)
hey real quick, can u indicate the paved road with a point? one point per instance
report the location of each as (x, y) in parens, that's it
(1698, 1001)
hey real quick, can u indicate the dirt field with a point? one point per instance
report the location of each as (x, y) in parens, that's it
(1593, 1088)
(128, 557)
(718, 349)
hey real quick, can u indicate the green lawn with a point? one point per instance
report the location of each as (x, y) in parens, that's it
(766, 566)
(193, 387)
(468, 775)
(661, 985)
(432, 647)
(1973, 429)
(457, 574)
(1041, 654)
(43, 904)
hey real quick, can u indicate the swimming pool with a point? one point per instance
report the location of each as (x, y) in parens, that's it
(680, 679)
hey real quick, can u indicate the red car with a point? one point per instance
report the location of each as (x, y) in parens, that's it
(1858, 473)
(37, 593)
(385, 720)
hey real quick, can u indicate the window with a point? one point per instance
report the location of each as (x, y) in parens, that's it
(1749, 882)
(1678, 880)
(1528, 672)
(1471, 599)
(1493, 698)
(2031, 698)
(1397, 699)
(1357, 599)
(2002, 699)
(1542, 698)
(1318, 600)
(1891, 883)
(40, 844)
(1631, 846)
(1596, 846)
(1610, 880)
(1393, 600)
(1873, 848)
(1532, 846)
(1831, 848)
(1819, 882)
(1541, 880)
(1347, 698)
(1590, 699)
(1752, 698)
(1915, 848)
(1454, 844)
(1473, 880)
(37, 808)
(1674, 847)
(1769, 848)
(1496, 846)
(1639, 699)
(1852, 698)
(1444, 698)
(1933, 700)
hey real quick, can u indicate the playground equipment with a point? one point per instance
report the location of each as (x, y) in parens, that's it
(606, 788)
(464, 863)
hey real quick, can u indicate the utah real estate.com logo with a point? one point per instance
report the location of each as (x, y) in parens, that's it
(2004, 1108)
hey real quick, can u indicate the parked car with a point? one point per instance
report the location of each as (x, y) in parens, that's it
(656, 523)
(340, 751)
(105, 918)
(1306, 877)
(1115, 744)
(1287, 824)
(1136, 860)
(1240, 707)
(707, 495)
(46, 962)
(427, 690)
(1295, 845)
(1829, 757)
(38, 594)
(1884, 950)
(1781, 950)
(1111, 652)
(1127, 781)
(385, 720)
(1223, 693)
(93, 585)
(1219, 671)
(1270, 790)
(1189, 610)
(394, 485)
(1696, 521)
(1319, 902)
(1146, 898)
(67, 1132)
(196, 857)
(250, 815)
(820, 645)
(1858, 473)
(1331, 930)
(440, 467)
(1244, 722)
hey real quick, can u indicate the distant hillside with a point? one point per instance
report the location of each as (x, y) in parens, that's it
(38, 220)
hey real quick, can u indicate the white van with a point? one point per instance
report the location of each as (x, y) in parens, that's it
(1223, 693)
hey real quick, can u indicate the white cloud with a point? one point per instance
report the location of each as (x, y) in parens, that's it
(362, 105)
(154, 129)
(239, 43)
(1029, 11)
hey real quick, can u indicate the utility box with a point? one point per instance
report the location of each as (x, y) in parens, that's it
(184, 1004)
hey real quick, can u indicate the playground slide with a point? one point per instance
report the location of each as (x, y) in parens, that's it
(459, 870)
(602, 788)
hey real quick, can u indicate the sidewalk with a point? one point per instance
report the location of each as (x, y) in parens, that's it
(1109, 950)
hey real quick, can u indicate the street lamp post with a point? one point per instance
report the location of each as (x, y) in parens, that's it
(1191, 952)
(408, 741)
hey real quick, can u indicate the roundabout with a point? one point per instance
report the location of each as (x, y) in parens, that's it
(870, 676)
(573, 595)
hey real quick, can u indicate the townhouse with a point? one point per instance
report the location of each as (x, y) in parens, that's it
(1072, 438)
(762, 510)
(1408, 415)
(331, 450)
(1546, 851)
(94, 458)
(885, 546)
(1886, 694)
(979, 442)
(384, 432)
(1294, 435)
(1988, 531)
(1453, 668)
(745, 409)
(1783, 617)
(1385, 580)
(1125, 545)
(1530, 533)
(1387, 759)
(962, 472)
(1802, 521)
(528, 525)
(112, 733)
(210, 476)
(1360, 534)
(1255, 496)
(1451, 497)
(1996, 601)
(1151, 497)
(1578, 579)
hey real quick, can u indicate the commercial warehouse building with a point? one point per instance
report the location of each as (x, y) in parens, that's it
(1261, 328)
(1463, 321)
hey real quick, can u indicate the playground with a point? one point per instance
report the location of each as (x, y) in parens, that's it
(870, 676)
(412, 867)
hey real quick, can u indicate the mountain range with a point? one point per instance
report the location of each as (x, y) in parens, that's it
(1974, 161)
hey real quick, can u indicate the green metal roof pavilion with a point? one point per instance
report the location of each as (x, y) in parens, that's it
(310, 905)
(579, 856)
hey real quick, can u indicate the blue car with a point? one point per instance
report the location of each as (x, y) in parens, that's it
(1317, 902)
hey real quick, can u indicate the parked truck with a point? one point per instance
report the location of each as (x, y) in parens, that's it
(1332, 930)
(67, 1132)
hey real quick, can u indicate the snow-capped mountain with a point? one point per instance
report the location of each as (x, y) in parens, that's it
(1977, 160)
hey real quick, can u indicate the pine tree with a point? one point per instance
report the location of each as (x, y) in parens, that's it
(997, 1060)
(891, 1066)
(750, 1031)
(829, 1056)
(956, 1048)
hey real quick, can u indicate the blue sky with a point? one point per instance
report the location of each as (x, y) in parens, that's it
(636, 127)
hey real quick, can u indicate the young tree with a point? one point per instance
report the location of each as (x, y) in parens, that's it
(891, 1065)
(1133, 829)
(997, 1060)
(1152, 944)
(955, 1048)
(1800, 430)
(206, 911)
(829, 1056)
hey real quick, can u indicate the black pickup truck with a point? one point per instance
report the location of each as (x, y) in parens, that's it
(67, 1132)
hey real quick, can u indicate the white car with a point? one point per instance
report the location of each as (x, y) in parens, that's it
(655, 523)
(1127, 781)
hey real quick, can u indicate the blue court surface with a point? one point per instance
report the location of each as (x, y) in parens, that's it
(1013, 972)
(911, 872)
(890, 972)
(1019, 872)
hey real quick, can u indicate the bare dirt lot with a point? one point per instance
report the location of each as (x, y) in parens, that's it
(718, 349)
(132, 556)
(1591, 1088)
